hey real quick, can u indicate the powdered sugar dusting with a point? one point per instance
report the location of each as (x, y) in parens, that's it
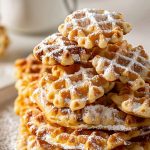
(86, 17)
(8, 128)
(106, 113)
(50, 140)
(136, 106)
(71, 84)
(129, 67)
(57, 47)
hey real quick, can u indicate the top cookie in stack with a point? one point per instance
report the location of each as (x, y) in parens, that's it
(92, 88)
(94, 27)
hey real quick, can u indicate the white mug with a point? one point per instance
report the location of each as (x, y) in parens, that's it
(34, 16)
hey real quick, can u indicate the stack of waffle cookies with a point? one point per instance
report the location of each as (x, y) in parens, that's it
(85, 88)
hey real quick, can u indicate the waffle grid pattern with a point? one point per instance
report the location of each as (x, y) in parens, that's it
(85, 88)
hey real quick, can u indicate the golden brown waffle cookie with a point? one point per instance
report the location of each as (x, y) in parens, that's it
(28, 141)
(130, 66)
(136, 146)
(30, 67)
(57, 49)
(28, 71)
(94, 27)
(22, 104)
(4, 40)
(98, 115)
(27, 85)
(133, 102)
(75, 87)
(76, 139)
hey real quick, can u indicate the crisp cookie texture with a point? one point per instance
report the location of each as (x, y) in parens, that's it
(136, 146)
(84, 88)
(128, 65)
(74, 88)
(29, 67)
(56, 49)
(22, 104)
(76, 139)
(25, 87)
(98, 115)
(28, 141)
(28, 71)
(4, 40)
(94, 27)
(133, 102)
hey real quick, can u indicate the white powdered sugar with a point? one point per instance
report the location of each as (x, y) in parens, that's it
(136, 106)
(110, 127)
(8, 128)
(128, 68)
(109, 16)
(71, 84)
(105, 112)
(92, 17)
(56, 46)
(76, 57)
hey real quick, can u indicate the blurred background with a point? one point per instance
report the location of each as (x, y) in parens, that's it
(29, 21)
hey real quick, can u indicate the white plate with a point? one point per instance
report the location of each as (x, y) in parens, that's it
(8, 119)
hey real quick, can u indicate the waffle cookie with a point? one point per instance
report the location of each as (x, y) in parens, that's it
(85, 88)
(98, 115)
(22, 104)
(30, 67)
(28, 141)
(4, 40)
(136, 146)
(25, 87)
(76, 139)
(28, 71)
(56, 49)
(133, 102)
(129, 66)
(94, 27)
(75, 88)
